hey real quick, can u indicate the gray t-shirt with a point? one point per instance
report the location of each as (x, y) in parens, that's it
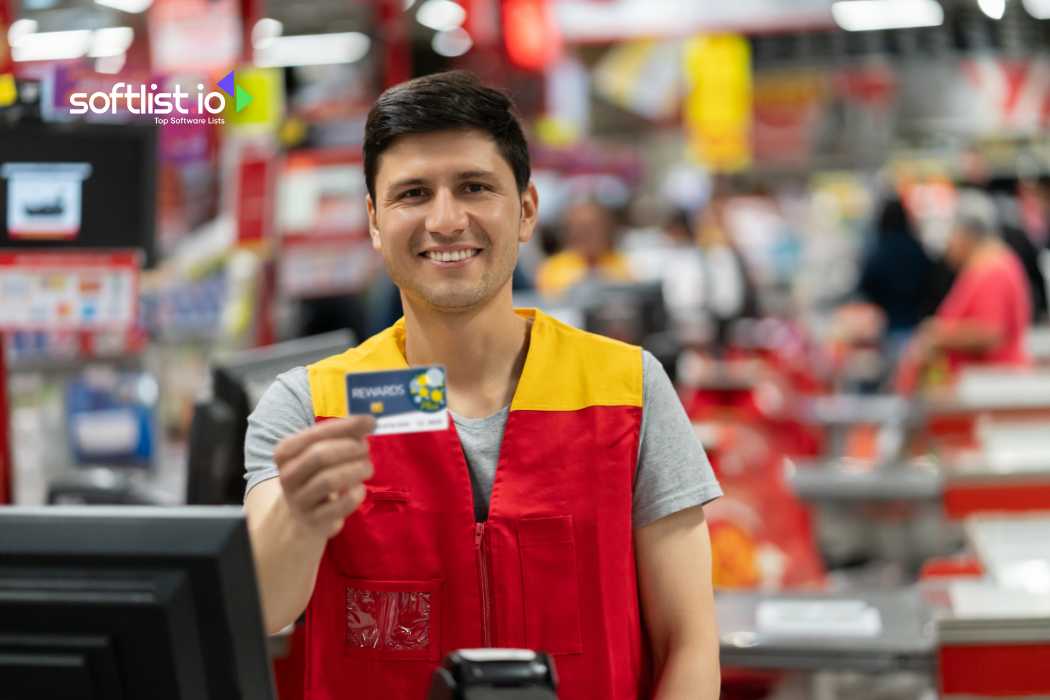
(673, 471)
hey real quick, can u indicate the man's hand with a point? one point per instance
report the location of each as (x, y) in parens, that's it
(322, 473)
(323, 470)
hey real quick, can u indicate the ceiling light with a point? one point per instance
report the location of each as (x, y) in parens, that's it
(266, 30)
(1040, 9)
(441, 15)
(130, 6)
(452, 43)
(992, 8)
(868, 15)
(51, 46)
(20, 28)
(312, 49)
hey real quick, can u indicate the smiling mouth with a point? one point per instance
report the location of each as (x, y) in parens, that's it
(450, 256)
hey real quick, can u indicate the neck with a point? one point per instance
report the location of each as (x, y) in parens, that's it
(483, 350)
(594, 259)
(986, 250)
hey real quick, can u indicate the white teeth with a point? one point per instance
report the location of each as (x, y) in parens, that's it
(451, 256)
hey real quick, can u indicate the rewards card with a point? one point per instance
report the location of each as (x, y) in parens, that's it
(413, 400)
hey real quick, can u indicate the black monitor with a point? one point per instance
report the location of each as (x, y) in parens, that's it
(629, 311)
(220, 421)
(121, 603)
(83, 186)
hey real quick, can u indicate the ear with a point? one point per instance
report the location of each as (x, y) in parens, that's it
(530, 209)
(373, 224)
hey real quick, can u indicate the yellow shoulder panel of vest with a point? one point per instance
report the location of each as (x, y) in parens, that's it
(568, 369)
(327, 377)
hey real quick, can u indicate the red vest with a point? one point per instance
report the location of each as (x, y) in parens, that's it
(412, 576)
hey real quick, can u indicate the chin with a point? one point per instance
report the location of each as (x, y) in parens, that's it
(455, 300)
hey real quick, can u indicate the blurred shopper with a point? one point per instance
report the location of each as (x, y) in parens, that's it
(896, 273)
(682, 276)
(730, 293)
(1026, 250)
(590, 238)
(985, 318)
(1033, 201)
(562, 507)
(705, 283)
(1011, 202)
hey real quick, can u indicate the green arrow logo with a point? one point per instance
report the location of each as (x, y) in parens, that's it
(242, 98)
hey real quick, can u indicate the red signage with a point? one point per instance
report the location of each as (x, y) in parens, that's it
(254, 199)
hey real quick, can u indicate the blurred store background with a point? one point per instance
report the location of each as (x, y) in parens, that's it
(829, 220)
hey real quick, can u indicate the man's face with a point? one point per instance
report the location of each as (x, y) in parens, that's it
(960, 244)
(448, 218)
(589, 230)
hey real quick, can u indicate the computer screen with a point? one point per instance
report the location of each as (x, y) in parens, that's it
(79, 186)
(118, 603)
(632, 312)
(216, 445)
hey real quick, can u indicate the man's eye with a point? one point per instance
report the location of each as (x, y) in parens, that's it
(412, 193)
(475, 187)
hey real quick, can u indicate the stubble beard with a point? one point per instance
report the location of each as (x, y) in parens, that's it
(458, 296)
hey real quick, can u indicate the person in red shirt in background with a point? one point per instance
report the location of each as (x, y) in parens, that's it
(985, 317)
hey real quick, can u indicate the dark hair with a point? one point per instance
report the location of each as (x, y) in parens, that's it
(680, 218)
(893, 219)
(442, 101)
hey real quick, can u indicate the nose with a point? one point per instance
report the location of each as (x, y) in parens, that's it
(446, 216)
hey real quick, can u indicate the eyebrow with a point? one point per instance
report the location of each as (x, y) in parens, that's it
(473, 174)
(417, 181)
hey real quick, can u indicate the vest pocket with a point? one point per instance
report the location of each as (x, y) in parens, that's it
(393, 619)
(551, 587)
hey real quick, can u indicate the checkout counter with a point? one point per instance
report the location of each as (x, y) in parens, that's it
(984, 633)
(1009, 470)
(980, 629)
(870, 632)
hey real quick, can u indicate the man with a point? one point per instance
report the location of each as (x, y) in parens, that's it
(985, 317)
(590, 232)
(599, 474)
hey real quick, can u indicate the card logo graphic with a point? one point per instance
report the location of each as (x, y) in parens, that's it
(428, 390)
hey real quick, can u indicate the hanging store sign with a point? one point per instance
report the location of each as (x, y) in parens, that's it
(323, 224)
(195, 35)
(321, 194)
(788, 109)
(311, 267)
(717, 110)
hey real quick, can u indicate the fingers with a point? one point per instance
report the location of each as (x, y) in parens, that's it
(323, 470)
(349, 427)
(319, 457)
(330, 516)
(337, 480)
